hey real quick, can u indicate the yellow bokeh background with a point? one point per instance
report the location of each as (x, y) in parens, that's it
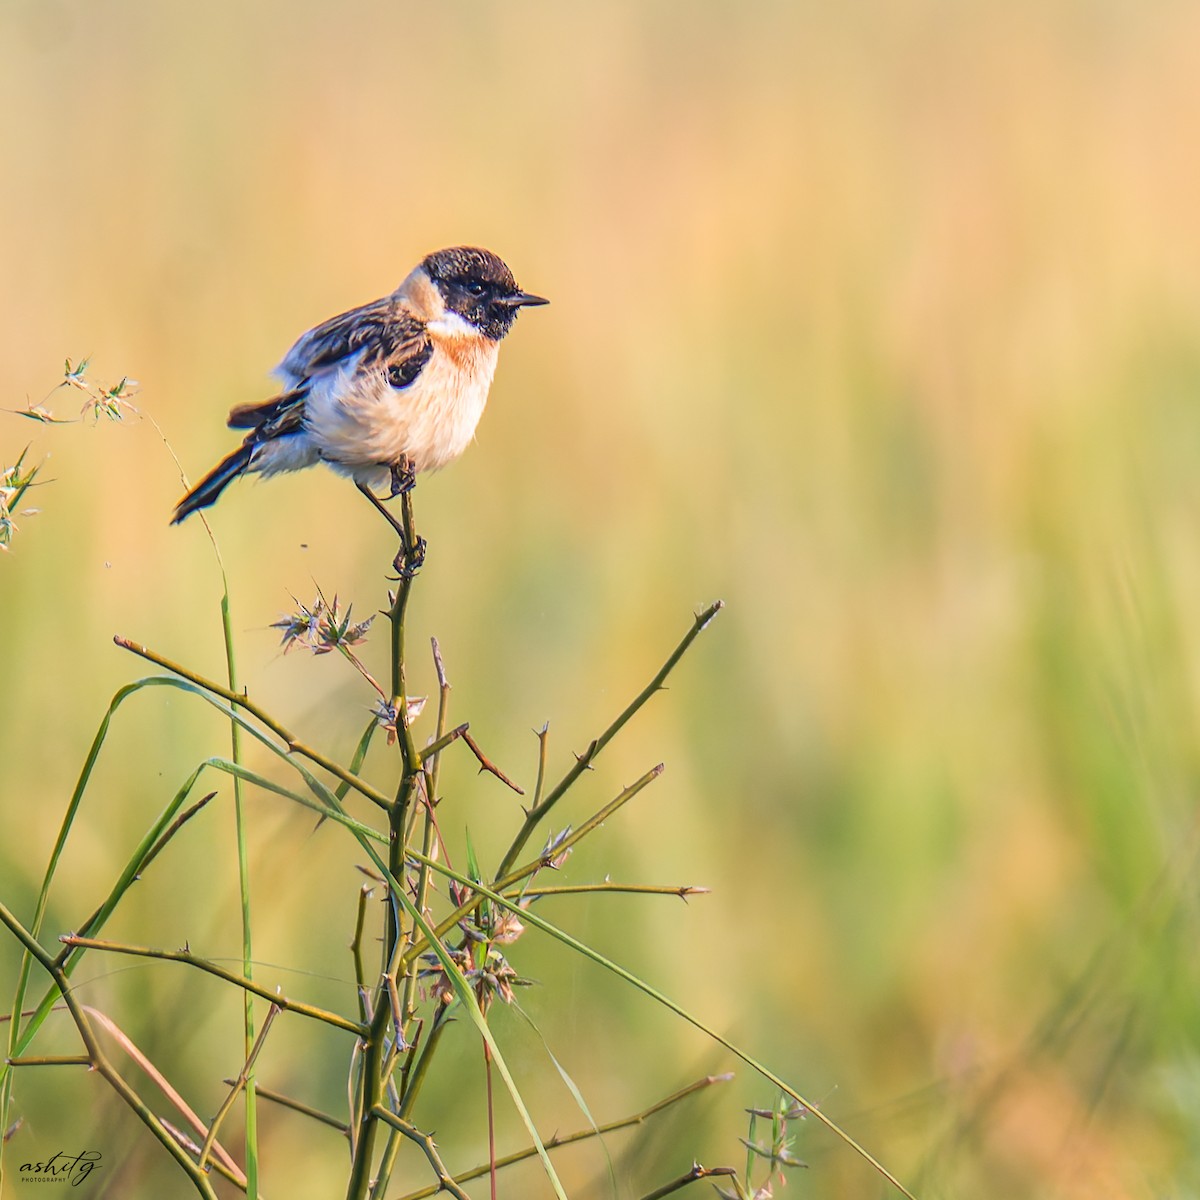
(880, 322)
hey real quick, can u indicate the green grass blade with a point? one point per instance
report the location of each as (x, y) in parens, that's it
(243, 857)
(531, 918)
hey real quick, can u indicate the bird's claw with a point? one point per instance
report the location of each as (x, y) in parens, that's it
(403, 478)
(409, 561)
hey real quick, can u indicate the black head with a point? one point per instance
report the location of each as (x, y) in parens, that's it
(478, 286)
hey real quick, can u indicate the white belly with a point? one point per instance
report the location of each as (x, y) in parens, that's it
(357, 421)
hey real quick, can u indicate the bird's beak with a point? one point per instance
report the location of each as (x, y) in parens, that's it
(523, 299)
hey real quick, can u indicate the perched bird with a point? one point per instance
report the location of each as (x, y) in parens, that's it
(386, 390)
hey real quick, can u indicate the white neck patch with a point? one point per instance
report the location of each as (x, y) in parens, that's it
(451, 325)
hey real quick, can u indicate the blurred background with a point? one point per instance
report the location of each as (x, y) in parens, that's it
(880, 322)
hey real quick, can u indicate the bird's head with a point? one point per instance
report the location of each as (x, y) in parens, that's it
(477, 286)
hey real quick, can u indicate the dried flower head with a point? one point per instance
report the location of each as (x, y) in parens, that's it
(322, 626)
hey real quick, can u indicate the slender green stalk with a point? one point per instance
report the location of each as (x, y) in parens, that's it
(694, 1175)
(306, 1110)
(425, 1141)
(442, 740)
(375, 1058)
(242, 1082)
(371, 1086)
(360, 970)
(243, 857)
(51, 1060)
(420, 1071)
(432, 764)
(583, 1135)
(585, 760)
(410, 557)
(543, 737)
(212, 968)
(680, 891)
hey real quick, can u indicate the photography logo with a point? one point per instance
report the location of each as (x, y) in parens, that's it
(61, 1167)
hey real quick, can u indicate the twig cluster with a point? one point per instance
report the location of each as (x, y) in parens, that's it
(431, 962)
(447, 937)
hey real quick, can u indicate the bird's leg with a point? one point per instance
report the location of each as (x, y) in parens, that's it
(381, 508)
(411, 555)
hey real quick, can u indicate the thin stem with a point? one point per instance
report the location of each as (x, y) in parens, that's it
(594, 822)
(491, 1111)
(98, 1059)
(203, 964)
(375, 1060)
(164, 1085)
(306, 1110)
(353, 658)
(543, 737)
(409, 560)
(682, 891)
(51, 1060)
(485, 764)
(387, 1164)
(585, 760)
(371, 1086)
(582, 1135)
(360, 970)
(425, 1141)
(442, 740)
(243, 1081)
(560, 846)
(696, 1173)
(432, 762)
(243, 859)
(171, 830)
(285, 735)
(414, 1083)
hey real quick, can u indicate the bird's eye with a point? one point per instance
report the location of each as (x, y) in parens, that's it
(475, 287)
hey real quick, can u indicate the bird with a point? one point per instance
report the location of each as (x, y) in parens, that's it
(386, 390)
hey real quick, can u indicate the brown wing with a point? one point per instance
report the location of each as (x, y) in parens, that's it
(382, 329)
(381, 333)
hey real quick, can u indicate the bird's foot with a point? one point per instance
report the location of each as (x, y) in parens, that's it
(404, 477)
(409, 561)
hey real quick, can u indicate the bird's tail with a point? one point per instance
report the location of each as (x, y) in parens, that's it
(214, 483)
